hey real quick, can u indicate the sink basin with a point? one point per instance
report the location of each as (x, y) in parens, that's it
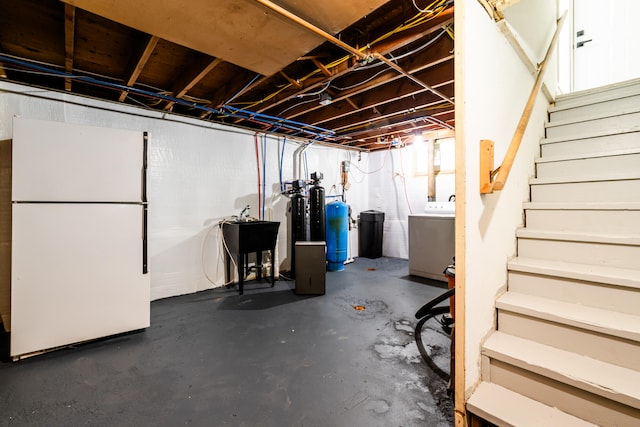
(244, 237)
(250, 236)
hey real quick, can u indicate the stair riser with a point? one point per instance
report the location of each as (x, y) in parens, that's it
(597, 144)
(571, 400)
(608, 123)
(603, 347)
(621, 256)
(567, 168)
(599, 191)
(617, 222)
(603, 107)
(609, 297)
(598, 95)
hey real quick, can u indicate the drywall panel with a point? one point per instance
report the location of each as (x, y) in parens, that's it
(491, 94)
(199, 173)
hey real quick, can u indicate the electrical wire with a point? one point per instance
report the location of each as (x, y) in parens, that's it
(284, 144)
(315, 93)
(255, 139)
(228, 111)
(264, 173)
(243, 89)
(298, 104)
(425, 10)
(437, 8)
(404, 183)
(374, 171)
(226, 248)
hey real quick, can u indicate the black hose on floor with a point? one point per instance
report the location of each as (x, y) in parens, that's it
(425, 313)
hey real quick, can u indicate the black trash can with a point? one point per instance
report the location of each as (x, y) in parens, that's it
(370, 226)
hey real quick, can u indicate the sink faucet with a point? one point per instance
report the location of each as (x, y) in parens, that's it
(244, 213)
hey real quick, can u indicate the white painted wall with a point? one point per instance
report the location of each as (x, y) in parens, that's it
(198, 174)
(492, 86)
(398, 189)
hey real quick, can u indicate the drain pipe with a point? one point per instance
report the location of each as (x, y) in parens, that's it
(297, 160)
(363, 56)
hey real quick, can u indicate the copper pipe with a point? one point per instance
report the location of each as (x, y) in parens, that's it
(312, 28)
(350, 49)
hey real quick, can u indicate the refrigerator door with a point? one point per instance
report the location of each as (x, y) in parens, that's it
(77, 274)
(61, 162)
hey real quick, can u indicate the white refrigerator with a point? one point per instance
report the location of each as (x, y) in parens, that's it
(79, 267)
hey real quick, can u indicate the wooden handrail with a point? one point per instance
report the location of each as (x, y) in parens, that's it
(494, 179)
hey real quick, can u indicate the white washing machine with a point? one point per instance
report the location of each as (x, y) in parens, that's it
(432, 240)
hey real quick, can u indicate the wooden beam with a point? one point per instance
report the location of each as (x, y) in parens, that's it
(69, 39)
(324, 70)
(232, 91)
(390, 45)
(377, 92)
(386, 126)
(501, 5)
(517, 47)
(502, 173)
(142, 61)
(353, 104)
(489, 7)
(486, 166)
(415, 105)
(181, 88)
(290, 80)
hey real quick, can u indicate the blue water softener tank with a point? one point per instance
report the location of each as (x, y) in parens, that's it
(337, 235)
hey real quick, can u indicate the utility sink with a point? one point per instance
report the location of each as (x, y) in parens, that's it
(245, 237)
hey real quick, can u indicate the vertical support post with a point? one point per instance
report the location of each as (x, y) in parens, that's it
(486, 166)
(431, 171)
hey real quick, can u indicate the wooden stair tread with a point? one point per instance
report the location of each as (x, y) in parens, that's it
(601, 378)
(580, 156)
(622, 325)
(595, 95)
(594, 116)
(504, 407)
(569, 270)
(592, 177)
(583, 206)
(572, 236)
(590, 134)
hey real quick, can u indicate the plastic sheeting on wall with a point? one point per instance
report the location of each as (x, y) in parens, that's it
(199, 173)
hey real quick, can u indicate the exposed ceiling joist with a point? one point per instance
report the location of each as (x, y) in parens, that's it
(191, 78)
(364, 97)
(344, 69)
(69, 38)
(142, 61)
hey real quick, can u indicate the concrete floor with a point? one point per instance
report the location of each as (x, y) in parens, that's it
(266, 358)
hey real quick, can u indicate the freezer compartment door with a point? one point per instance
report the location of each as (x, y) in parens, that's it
(76, 274)
(61, 162)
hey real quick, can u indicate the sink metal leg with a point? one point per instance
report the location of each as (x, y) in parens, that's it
(273, 262)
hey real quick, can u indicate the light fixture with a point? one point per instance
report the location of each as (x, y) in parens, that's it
(417, 138)
(325, 99)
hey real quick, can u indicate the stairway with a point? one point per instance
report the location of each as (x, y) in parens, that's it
(567, 347)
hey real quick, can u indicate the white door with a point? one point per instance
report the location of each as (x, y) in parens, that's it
(76, 274)
(605, 42)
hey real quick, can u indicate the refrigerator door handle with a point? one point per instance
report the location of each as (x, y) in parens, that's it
(145, 251)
